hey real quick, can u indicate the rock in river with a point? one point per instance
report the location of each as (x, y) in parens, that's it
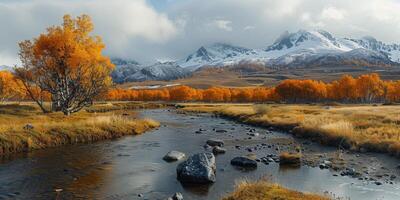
(177, 196)
(244, 162)
(215, 142)
(218, 150)
(173, 156)
(198, 168)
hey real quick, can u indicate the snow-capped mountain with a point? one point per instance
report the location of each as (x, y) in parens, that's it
(217, 54)
(128, 71)
(302, 48)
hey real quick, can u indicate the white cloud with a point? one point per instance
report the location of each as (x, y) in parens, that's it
(246, 28)
(332, 13)
(223, 24)
(121, 23)
(133, 28)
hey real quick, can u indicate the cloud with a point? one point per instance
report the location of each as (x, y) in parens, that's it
(246, 28)
(332, 13)
(223, 24)
(150, 30)
(121, 23)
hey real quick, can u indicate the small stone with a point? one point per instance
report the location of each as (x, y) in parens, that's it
(140, 195)
(28, 127)
(215, 142)
(218, 150)
(173, 156)
(176, 196)
(244, 162)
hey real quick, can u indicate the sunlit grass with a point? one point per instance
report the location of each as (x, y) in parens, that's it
(263, 190)
(366, 127)
(54, 129)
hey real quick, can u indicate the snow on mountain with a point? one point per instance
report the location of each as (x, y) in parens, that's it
(128, 71)
(298, 49)
(217, 54)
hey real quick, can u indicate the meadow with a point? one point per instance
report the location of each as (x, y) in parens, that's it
(364, 128)
(23, 127)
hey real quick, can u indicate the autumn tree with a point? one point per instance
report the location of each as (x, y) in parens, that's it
(67, 63)
(9, 87)
(369, 88)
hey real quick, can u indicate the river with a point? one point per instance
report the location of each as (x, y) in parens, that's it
(132, 166)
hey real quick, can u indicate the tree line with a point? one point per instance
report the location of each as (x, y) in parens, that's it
(368, 88)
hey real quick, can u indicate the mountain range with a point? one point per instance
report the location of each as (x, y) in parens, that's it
(302, 49)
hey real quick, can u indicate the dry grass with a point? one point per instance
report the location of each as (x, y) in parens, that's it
(49, 130)
(357, 127)
(263, 190)
(287, 158)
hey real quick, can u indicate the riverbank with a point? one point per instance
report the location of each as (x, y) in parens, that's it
(24, 128)
(363, 128)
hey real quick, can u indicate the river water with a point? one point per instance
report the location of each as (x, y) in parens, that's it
(131, 166)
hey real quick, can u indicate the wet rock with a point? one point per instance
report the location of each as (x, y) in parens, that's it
(378, 183)
(207, 147)
(176, 196)
(323, 166)
(221, 131)
(244, 162)
(215, 142)
(173, 156)
(253, 134)
(218, 150)
(140, 195)
(202, 129)
(198, 132)
(349, 172)
(199, 168)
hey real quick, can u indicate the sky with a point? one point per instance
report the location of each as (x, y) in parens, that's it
(163, 30)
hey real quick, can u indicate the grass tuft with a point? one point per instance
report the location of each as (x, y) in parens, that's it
(263, 190)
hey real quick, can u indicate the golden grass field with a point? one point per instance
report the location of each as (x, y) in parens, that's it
(23, 127)
(357, 127)
(263, 190)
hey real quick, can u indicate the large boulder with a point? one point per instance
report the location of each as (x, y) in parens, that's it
(215, 142)
(244, 162)
(173, 156)
(198, 168)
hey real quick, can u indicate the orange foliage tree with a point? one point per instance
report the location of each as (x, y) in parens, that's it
(67, 63)
(364, 89)
(9, 87)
